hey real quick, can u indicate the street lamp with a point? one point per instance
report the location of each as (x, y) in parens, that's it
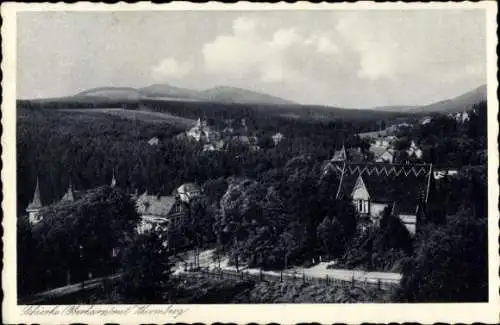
(82, 268)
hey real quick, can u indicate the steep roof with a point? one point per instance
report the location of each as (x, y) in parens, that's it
(340, 155)
(154, 205)
(189, 188)
(36, 203)
(351, 154)
(405, 185)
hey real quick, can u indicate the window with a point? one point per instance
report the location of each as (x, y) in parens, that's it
(363, 206)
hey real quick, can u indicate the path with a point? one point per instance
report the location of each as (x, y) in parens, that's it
(66, 290)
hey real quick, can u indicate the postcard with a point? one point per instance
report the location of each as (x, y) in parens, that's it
(330, 163)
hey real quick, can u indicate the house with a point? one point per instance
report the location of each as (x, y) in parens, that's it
(277, 138)
(167, 214)
(187, 192)
(156, 213)
(413, 150)
(154, 141)
(426, 120)
(351, 154)
(384, 142)
(373, 187)
(438, 174)
(383, 154)
(382, 151)
(213, 146)
(200, 132)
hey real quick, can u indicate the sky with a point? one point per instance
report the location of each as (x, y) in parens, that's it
(340, 58)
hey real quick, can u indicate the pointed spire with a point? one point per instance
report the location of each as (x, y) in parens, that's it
(113, 180)
(36, 203)
(69, 196)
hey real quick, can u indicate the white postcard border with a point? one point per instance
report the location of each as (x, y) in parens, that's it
(280, 313)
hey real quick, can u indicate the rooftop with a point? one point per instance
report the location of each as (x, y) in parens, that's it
(407, 185)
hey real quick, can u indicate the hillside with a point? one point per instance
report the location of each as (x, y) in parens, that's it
(459, 103)
(453, 105)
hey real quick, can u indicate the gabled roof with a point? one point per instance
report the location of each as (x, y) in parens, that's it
(407, 185)
(360, 184)
(154, 205)
(340, 155)
(351, 154)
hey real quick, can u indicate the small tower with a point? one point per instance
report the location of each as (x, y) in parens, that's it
(35, 205)
(69, 196)
(340, 155)
(113, 180)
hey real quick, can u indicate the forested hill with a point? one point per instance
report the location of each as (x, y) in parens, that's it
(456, 104)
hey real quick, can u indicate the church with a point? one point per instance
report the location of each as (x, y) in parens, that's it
(373, 187)
(35, 206)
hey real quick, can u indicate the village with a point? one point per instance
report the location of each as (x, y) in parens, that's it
(315, 156)
(375, 181)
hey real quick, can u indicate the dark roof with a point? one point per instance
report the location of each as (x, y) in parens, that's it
(351, 155)
(406, 185)
(354, 155)
(154, 205)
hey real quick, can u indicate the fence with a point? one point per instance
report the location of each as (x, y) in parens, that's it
(290, 277)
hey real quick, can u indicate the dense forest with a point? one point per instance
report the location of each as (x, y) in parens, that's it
(268, 208)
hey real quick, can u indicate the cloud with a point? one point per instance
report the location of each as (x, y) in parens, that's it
(170, 68)
(403, 43)
(269, 56)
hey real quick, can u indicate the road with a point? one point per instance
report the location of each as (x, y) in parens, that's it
(66, 290)
(318, 271)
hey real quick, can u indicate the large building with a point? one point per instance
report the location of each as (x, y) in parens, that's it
(200, 132)
(372, 187)
(35, 206)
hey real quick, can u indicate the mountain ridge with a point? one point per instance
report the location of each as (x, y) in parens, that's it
(226, 94)
(229, 94)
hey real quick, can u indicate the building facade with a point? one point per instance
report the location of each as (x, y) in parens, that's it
(372, 188)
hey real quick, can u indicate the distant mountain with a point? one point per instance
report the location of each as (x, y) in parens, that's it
(459, 103)
(453, 105)
(127, 93)
(223, 94)
(233, 94)
(169, 91)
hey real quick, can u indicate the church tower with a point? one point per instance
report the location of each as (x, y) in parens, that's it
(35, 205)
(69, 196)
(113, 180)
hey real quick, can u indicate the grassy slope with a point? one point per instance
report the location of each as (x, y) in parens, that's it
(144, 116)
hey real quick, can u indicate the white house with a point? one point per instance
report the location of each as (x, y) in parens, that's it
(154, 141)
(277, 138)
(414, 150)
